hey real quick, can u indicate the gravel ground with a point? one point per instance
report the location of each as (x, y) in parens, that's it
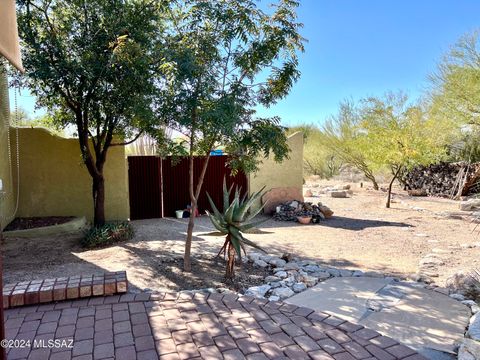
(361, 235)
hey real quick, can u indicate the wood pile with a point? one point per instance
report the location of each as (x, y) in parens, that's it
(444, 179)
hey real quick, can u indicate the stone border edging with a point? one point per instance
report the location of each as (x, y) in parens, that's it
(71, 226)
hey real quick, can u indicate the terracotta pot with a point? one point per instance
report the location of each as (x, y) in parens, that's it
(304, 219)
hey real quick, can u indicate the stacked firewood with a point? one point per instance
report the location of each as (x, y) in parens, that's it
(444, 179)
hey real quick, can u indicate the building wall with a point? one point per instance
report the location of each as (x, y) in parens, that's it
(288, 173)
(7, 198)
(55, 182)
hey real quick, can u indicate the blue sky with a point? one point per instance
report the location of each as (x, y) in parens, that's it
(360, 48)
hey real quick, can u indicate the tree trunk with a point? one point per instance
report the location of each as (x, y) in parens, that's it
(389, 194)
(194, 194)
(230, 271)
(98, 192)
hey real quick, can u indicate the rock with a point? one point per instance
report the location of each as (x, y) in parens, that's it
(342, 187)
(275, 284)
(278, 196)
(271, 278)
(274, 298)
(309, 280)
(299, 287)
(308, 193)
(474, 327)
(358, 273)
(311, 268)
(283, 292)
(287, 257)
(291, 266)
(431, 259)
(333, 272)
(266, 258)
(281, 274)
(326, 211)
(338, 194)
(373, 274)
(321, 275)
(254, 256)
(277, 262)
(260, 263)
(458, 297)
(289, 281)
(469, 350)
(258, 291)
(470, 205)
(472, 305)
(346, 273)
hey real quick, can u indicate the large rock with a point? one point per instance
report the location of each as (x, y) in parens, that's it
(469, 350)
(283, 292)
(258, 291)
(474, 327)
(281, 195)
(291, 266)
(260, 263)
(338, 194)
(470, 205)
(299, 287)
(277, 262)
(326, 211)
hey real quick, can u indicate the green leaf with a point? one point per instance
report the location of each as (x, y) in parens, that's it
(230, 210)
(217, 213)
(214, 233)
(246, 227)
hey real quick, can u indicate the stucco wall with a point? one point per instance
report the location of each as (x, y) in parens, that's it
(288, 173)
(7, 199)
(54, 181)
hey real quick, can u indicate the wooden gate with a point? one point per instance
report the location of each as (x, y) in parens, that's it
(145, 187)
(159, 188)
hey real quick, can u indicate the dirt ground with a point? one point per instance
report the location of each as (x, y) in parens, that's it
(363, 234)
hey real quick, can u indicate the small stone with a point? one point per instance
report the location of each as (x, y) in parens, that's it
(254, 256)
(272, 278)
(289, 281)
(291, 266)
(457, 296)
(333, 272)
(311, 268)
(299, 287)
(281, 274)
(358, 273)
(283, 292)
(474, 327)
(346, 273)
(275, 284)
(260, 263)
(277, 262)
(274, 298)
(258, 291)
(322, 275)
(309, 280)
(373, 274)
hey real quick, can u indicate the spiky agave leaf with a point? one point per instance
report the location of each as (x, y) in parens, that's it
(214, 233)
(217, 223)
(256, 212)
(246, 227)
(248, 204)
(229, 212)
(236, 239)
(226, 194)
(252, 244)
(217, 213)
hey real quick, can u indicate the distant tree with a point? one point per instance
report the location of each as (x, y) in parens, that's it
(19, 117)
(318, 159)
(91, 64)
(342, 135)
(399, 135)
(455, 92)
(228, 57)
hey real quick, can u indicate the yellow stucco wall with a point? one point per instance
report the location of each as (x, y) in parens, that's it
(288, 173)
(7, 199)
(54, 181)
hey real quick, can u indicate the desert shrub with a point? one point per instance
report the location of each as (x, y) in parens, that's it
(107, 234)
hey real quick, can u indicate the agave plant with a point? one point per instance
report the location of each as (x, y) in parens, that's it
(233, 223)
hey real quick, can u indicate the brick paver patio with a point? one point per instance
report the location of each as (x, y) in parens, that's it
(183, 326)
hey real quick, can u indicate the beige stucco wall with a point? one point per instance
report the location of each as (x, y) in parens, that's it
(288, 173)
(7, 199)
(55, 182)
